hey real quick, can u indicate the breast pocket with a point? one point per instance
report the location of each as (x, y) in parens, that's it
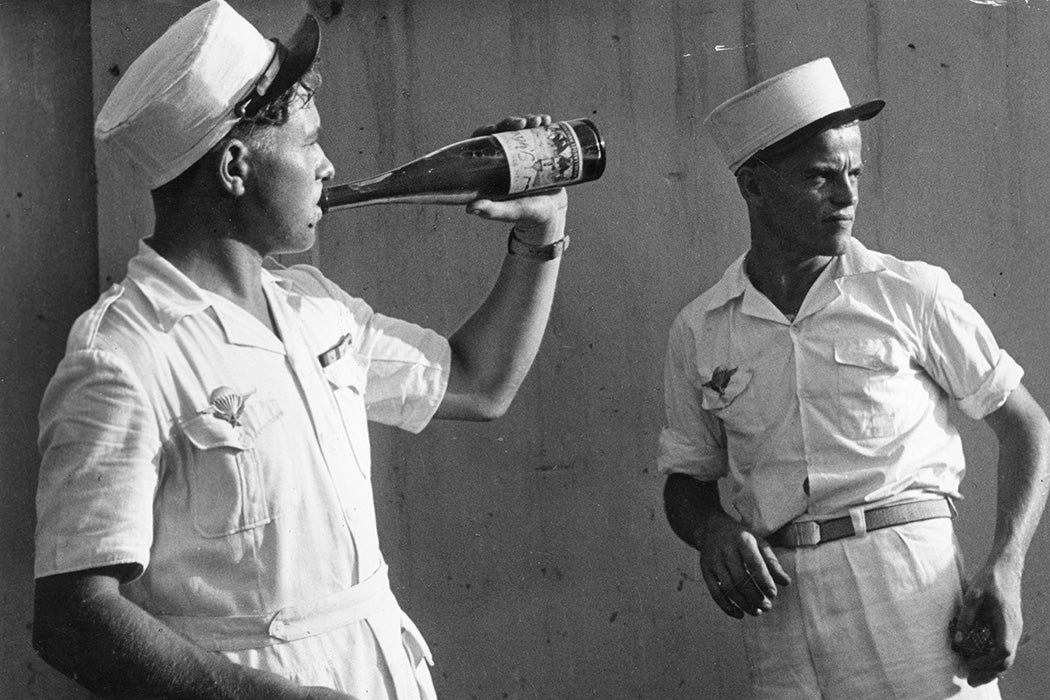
(226, 485)
(868, 387)
(347, 377)
(732, 400)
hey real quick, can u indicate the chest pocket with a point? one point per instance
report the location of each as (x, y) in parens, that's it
(867, 385)
(347, 378)
(226, 485)
(732, 400)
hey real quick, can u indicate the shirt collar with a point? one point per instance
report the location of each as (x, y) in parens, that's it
(172, 294)
(855, 261)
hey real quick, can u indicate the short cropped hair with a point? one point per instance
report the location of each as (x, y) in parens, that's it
(278, 110)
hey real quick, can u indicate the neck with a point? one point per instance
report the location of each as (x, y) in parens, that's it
(214, 261)
(783, 279)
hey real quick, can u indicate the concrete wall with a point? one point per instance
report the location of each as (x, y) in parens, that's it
(532, 551)
(48, 271)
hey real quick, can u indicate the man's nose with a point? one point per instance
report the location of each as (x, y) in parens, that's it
(327, 171)
(845, 190)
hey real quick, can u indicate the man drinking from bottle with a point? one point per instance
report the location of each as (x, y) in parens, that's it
(205, 518)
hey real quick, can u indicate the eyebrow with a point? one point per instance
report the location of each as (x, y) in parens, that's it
(827, 165)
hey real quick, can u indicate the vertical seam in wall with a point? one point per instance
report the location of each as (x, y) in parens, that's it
(748, 34)
(874, 33)
(96, 219)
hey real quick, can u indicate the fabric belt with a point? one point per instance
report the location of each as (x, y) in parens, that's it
(809, 533)
(238, 632)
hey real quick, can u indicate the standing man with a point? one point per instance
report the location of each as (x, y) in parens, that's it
(808, 390)
(205, 518)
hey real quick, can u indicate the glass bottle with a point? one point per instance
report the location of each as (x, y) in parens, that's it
(496, 166)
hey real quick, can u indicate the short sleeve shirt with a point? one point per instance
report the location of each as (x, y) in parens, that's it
(844, 405)
(231, 466)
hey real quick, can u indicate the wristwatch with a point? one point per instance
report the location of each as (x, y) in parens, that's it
(549, 251)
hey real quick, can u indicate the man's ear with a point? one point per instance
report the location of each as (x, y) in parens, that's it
(751, 184)
(233, 167)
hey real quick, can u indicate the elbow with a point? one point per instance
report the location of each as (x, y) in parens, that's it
(483, 392)
(492, 408)
(61, 622)
(476, 406)
(490, 399)
(40, 641)
(47, 642)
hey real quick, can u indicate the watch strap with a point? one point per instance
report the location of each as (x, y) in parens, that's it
(548, 251)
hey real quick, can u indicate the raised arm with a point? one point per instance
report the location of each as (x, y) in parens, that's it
(86, 629)
(992, 599)
(494, 349)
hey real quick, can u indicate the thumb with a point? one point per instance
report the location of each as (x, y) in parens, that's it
(483, 208)
(776, 570)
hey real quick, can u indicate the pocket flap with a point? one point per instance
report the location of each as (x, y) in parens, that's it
(877, 354)
(207, 432)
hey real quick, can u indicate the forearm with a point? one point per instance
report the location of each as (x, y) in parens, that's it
(116, 649)
(494, 349)
(690, 505)
(1023, 477)
(992, 598)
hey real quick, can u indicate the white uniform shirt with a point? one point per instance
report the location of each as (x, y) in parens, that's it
(225, 514)
(845, 405)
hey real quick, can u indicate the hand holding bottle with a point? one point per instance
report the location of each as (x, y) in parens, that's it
(538, 219)
(515, 123)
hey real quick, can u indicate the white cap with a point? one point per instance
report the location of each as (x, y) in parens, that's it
(775, 108)
(188, 89)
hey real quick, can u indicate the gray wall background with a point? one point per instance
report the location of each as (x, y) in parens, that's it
(532, 551)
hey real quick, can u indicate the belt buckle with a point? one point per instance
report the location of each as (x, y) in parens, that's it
(803, 534)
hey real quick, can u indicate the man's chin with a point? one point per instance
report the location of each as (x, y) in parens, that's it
(839, 243)
(301, 243)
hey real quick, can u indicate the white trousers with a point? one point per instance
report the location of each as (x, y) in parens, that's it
(865, 617)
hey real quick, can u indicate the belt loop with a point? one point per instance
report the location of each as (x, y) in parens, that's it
(860, 525)
(277, 628)
(951, 508)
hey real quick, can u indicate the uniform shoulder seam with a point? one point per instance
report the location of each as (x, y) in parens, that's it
(93, 319)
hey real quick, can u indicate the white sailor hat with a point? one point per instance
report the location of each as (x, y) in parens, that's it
(188, 89)
(797, 102)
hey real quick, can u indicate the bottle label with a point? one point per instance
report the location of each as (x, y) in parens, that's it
(540, 158)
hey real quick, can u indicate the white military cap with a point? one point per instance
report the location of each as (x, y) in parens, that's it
(188, 89)
(809, 97)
